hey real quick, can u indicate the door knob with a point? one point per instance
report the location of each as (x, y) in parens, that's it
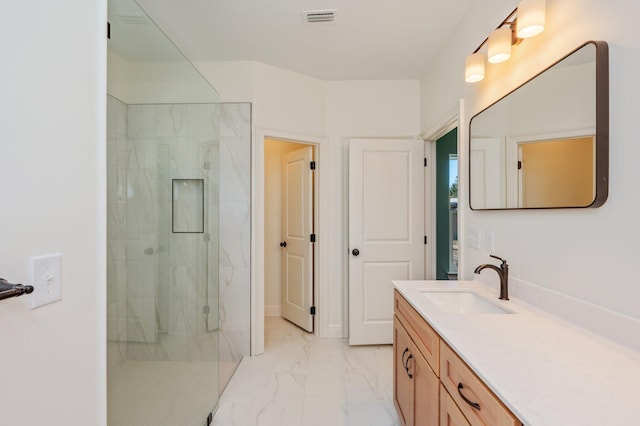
(283, 244)
(355, 252)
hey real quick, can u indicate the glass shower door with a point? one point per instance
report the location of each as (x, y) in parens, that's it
(162, 279)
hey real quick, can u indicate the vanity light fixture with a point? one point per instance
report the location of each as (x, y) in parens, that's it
(531, 18)
(526, 21)
(499, 45)
(474, 67)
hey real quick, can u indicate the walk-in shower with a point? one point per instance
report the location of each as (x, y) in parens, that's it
(178, 167)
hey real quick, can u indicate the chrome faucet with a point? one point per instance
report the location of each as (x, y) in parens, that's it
(503, 273)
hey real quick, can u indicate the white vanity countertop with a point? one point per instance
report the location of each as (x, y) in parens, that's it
(546, 371)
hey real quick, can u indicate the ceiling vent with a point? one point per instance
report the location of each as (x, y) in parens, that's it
(318, 16)
(133, 19)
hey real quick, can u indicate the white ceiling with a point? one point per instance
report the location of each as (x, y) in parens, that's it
(373, 39)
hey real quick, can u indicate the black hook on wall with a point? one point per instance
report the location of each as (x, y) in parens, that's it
(8, 290)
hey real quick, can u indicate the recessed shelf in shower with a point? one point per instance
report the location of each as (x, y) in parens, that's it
(187, 206)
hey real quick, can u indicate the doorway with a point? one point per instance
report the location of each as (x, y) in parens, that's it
(447, 250)
(290, 223)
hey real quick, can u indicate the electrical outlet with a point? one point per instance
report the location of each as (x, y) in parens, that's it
(45, 275)
(487, 240)
(472, 239)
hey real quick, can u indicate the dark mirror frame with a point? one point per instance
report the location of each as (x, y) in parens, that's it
(602, 128)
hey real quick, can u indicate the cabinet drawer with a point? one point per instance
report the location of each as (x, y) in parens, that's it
(450, 414)
(462, 383)
(425, 338)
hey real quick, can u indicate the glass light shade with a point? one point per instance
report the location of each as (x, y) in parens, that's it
(474, 68)
(499, 46)
(531, 18)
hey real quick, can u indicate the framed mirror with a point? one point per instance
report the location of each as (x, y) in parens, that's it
(546, 144)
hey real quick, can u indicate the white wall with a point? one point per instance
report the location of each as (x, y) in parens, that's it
(53, 199)
(294, 104)
(157, 82)
(285, 100)
(578, 256)
(233, 80)
(373, 108)
(117, 78)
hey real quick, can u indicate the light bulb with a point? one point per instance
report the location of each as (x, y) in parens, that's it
(531, 18)
(499, 45)
(474, 68)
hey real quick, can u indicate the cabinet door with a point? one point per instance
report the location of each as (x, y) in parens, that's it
(402, 382)
(425, 390)
(450, 414)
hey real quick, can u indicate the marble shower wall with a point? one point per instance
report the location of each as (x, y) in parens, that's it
(235, 231)
(169, 293)
(171, 277)
(116, 226)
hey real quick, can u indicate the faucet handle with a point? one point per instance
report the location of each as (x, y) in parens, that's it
(499, 258)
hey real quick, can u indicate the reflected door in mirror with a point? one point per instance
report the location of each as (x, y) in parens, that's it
(556, 126)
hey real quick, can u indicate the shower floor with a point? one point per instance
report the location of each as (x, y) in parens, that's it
(162, 393)
(165, 393)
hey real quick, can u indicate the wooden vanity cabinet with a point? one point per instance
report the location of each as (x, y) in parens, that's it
(425, 390)
(402, 383)
(415, 384)
(432, 385)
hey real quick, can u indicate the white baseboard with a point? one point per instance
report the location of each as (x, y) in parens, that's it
(334, 332)
(272, 310)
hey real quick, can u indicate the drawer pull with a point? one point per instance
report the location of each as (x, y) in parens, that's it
(407, 366)
(404, 363)
(471, 403)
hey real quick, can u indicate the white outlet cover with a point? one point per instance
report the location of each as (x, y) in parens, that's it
(45, 275)
(487, 240)
(472, 238)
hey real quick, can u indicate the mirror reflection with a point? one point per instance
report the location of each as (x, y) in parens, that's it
(545, 145)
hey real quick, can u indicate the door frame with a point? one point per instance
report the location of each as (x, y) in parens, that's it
(455, 118)
(321, 184)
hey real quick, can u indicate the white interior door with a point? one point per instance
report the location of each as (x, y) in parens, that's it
(297, 227)
(386, 231)
(488, 173)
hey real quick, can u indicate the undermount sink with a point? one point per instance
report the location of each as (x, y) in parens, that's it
(462, 302)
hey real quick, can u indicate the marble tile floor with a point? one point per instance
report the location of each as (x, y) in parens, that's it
(302, 380)
(161, 393)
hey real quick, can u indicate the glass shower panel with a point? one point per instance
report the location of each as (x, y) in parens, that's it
(162, 282)
(187, 205)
